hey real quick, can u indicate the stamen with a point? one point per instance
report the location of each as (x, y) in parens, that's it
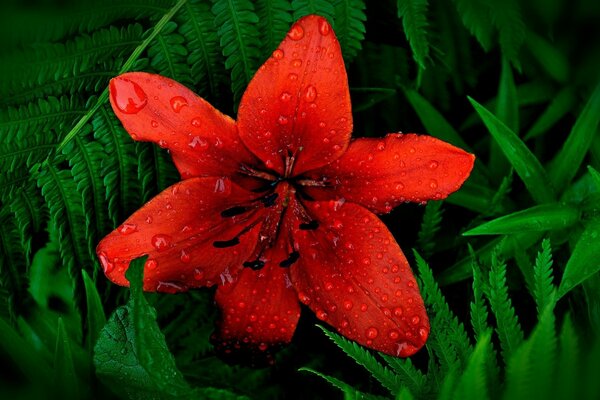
(254, 265)
(221, 244)
(289, 163)
(247, 170)
(294, 256)
(309, 226)
(233, 211)
(313, 182)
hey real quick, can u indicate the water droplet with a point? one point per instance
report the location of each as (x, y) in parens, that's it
(371, 332)
(220, 185)
(297, 63)
(185, 257)
(282, 120)
(381, 146)
(394, 334)
(154, 124)
(285, 96)
(177, 103)
(197, 141)
(163, 143)
(433, 184)
(423, 332)
(278, 54)
(328, 286)
(198, 274)
(303, 297)
(106, 264)
(363, 307)
(399, 186)
(433, 164)
(296, 33)
(127, 229)
(322, 315)
(151, 264)
(324, 27)
(398, 311)
(293, 77)
(128, 96)
(196, 122)
(310, 94)
(161, 242)
(415, 320)
(348, 304)
(148, 219)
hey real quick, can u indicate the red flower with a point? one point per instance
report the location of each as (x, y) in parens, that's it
(279, 206)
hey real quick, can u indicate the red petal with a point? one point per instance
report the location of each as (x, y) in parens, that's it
(298, 101)
(382, 173)
(202, 141)
(353, 275)
(260, 309)
(177, 230)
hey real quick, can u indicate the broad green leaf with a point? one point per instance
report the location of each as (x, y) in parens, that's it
(64, 367)
(472, 383)
(584, 261)
(522, 159)
(595, 176)
(434, 122)
(96, 319)
(560, 105)
(507, 105)
(566, 163)
(535, 219)
(553, 61)
(472, 196)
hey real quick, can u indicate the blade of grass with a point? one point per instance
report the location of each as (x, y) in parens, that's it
(558, 108)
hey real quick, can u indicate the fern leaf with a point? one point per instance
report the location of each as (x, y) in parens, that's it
(544, 290)
(414, 20)
(13, 262)
(168, 56)
(19, 155)
(349, 391)
(122, 192)
(156, 171)
(479, 310)
(238, 35)
(275, 19)
(472, 384)
(508, 20)
(41, 66)
(367, 360)
(204, 59)
(350, 26)
(477, 18)
(85, 159)
(507, 325)
(448, 338)
(429, 227)
(323, 8)
(407, 374)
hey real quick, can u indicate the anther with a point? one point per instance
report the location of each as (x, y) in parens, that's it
(254, 265)
(294, 256)
(222, 244)
(309, 226)
(233, 211)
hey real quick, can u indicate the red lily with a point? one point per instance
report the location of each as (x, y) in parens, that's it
(279, 206)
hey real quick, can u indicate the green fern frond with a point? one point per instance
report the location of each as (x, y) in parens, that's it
(349, 391)
(168, 56)
(197, 25)
(239, 39)
(20, 154)
(508, 20)
(275, 19)
(156, 170)
(479, 310)
(323, 8)
(85, 158)
(472, 384)
(13, 261)
(430, 225)
(448, 338)
(414, 20)
(544, 290)
(350, 26)
(40, 67)
(507, 325)
(41, 116)
(362, 356)
(477, 18)
(407, 374)
(68, 218)
(118, 170)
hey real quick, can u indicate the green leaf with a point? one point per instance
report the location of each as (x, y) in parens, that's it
(414, 21)
(472, 383)
(543, 290)
(508, 20)
(568, 359)
(65, 377)
(507, 105)
(274, 18)
(410, 376)
(549, 58)
(349, 391)
(94, 311)
(567, 162)
(560, 105)
(584, 258)
(363, 357)
(525, 163)
(595, 176)
(477, 17)
(364, 98)
(429, 227)
(350, 26)
(433, 121)
(535, 219)
(324, 8)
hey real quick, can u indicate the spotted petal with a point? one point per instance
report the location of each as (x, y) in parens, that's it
(188, 235)
(382, 173)
(353, 275)
(298, 103)
(201, 140)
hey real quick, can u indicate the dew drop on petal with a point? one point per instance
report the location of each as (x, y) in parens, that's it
(128, 96)
(278, 54)
(322, 315)
(282, 120)
(151, 264)
(196, 122)
(297, 63)
(324, 27)
(347, 304)
(285, 96)
(219, 185)
(433, 184)
(415, 320)
(127, 229)
(310, 94)
(393, 334)
(433, 164)
(154, 124)
(198, 274)
(161, 242)
(106, 264)
(296, 33)
(185, 257)
(177, 103)
(371, 333)
(293, 76)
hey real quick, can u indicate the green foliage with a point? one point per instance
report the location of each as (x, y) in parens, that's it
(70, 173)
